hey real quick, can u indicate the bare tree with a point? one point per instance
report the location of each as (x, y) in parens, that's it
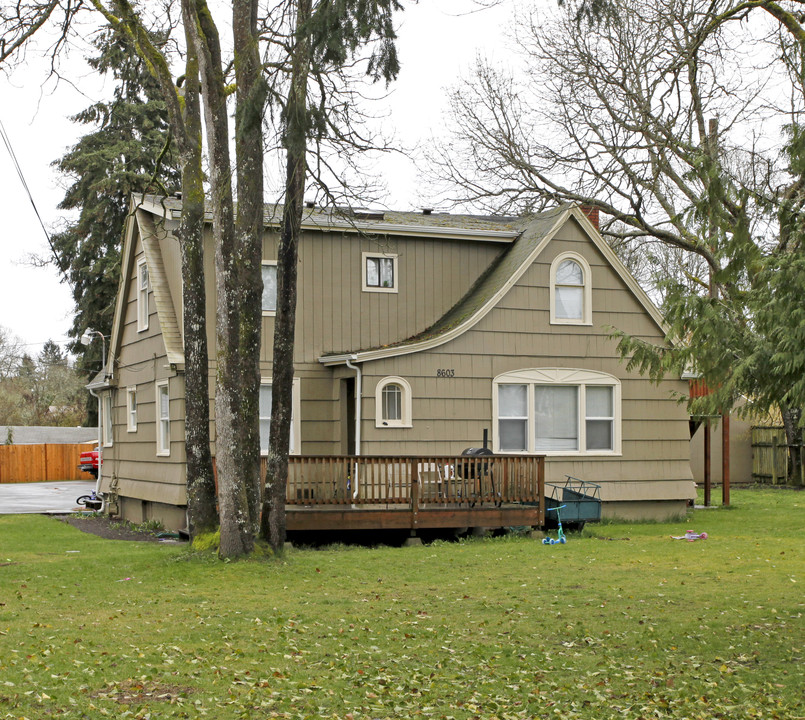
(667, 117)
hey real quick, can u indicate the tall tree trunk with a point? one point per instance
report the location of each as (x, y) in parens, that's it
(249, 224)
(273, 525)
(201, 499)
(237, 525)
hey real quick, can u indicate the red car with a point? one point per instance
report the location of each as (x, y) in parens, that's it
(89, 461)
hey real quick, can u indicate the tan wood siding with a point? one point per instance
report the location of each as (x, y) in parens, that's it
(142, 361)
(450, 414)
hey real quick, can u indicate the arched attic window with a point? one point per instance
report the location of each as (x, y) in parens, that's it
(571, 290)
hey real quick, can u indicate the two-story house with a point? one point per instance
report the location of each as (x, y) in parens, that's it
(416, 332)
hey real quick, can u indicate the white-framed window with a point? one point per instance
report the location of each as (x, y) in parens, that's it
(163, 418)
(571, 290)
(393, 403)
(143, 286)
(380, 272)
(106, 423)
(269, 269)
(557, 411)
(131, 409)
(265, 416)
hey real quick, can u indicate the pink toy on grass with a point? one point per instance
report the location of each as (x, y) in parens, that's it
(690, 536)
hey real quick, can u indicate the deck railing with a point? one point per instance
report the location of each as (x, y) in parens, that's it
(431, 480)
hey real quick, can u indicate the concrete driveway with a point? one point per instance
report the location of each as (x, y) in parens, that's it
(43, 497)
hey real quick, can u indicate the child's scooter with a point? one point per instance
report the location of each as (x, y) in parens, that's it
(560, 535)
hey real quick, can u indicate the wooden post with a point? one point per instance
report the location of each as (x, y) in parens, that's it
(725, 459)
(707, 478)
(414, 496)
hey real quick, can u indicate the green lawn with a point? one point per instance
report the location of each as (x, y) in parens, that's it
(622, 622)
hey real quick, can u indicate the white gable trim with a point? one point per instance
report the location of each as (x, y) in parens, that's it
(620, 268)
(168, 322)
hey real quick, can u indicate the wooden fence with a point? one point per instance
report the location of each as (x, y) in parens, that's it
(770, 457)
(42, 463)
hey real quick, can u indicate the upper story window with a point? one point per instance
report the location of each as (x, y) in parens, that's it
(380, 272)
(142, 295)
(393, 403)
(131, 409)
(266, 404)
(557, 411)
(269, 288)
(571, 290)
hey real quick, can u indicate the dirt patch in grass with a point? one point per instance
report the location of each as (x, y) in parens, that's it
(131, 692)
(105, 527)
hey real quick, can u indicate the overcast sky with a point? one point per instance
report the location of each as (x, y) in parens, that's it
(438, 43)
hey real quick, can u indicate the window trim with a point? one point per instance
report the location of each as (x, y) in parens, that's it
(575, 377)
(587, 290)
(296, 415)
(163, 448)
(107, 426)
(268, 263)
(372, 288)
(143, 311)
(405, 420)
(131, 409)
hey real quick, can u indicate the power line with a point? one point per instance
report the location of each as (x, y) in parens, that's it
(18, 168)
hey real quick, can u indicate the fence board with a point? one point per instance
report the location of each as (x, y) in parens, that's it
(769, 455)
(42, 463)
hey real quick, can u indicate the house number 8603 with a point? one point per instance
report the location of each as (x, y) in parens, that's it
(446, 373)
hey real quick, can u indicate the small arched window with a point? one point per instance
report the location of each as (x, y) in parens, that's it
(393, 403)
(571, 290)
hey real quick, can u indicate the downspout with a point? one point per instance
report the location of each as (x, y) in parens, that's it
(100, 463)
(358, 393)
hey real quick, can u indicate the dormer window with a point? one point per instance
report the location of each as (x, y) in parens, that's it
(571, 290)
(380, 272)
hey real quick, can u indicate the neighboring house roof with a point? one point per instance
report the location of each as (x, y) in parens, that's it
(496, 281)
(35, 435)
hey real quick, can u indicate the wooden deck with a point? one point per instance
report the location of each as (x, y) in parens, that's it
(414, 493)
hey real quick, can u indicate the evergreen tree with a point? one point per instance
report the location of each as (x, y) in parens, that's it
(128, 151)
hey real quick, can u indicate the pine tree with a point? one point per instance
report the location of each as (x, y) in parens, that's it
(128, 151)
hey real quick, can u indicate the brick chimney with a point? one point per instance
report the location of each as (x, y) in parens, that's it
(591, 213)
